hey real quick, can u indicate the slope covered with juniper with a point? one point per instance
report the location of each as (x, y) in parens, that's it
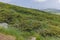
(30, 21)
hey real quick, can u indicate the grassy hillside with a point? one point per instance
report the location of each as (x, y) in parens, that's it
(29, 22)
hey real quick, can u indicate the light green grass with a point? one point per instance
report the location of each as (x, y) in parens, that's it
(25, 35)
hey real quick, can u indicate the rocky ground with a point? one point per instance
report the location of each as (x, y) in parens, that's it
(6, 37)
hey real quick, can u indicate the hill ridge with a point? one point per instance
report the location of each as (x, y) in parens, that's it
(29, 22)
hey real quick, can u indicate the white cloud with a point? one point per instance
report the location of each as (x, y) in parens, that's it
(39, 0)
(59, 1)
(5, 1)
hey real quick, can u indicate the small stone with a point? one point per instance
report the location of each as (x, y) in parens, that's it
(33, 38)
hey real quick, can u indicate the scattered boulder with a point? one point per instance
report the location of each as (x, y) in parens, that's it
(32, 38)
(4, 25)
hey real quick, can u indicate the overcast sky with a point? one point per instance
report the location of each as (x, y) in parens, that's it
(38, 4)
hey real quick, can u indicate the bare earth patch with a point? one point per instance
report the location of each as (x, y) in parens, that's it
(6, 37)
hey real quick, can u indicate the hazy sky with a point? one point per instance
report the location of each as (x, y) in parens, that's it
(39, 4)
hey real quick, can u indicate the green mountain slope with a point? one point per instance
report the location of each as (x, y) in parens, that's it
(31, 20)
(52, 10)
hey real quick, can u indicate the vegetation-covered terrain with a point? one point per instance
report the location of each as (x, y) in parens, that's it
(26, 22)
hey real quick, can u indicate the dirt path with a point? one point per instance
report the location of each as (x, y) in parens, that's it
(6, 37)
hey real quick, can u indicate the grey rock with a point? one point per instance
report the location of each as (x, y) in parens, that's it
(4, 25)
